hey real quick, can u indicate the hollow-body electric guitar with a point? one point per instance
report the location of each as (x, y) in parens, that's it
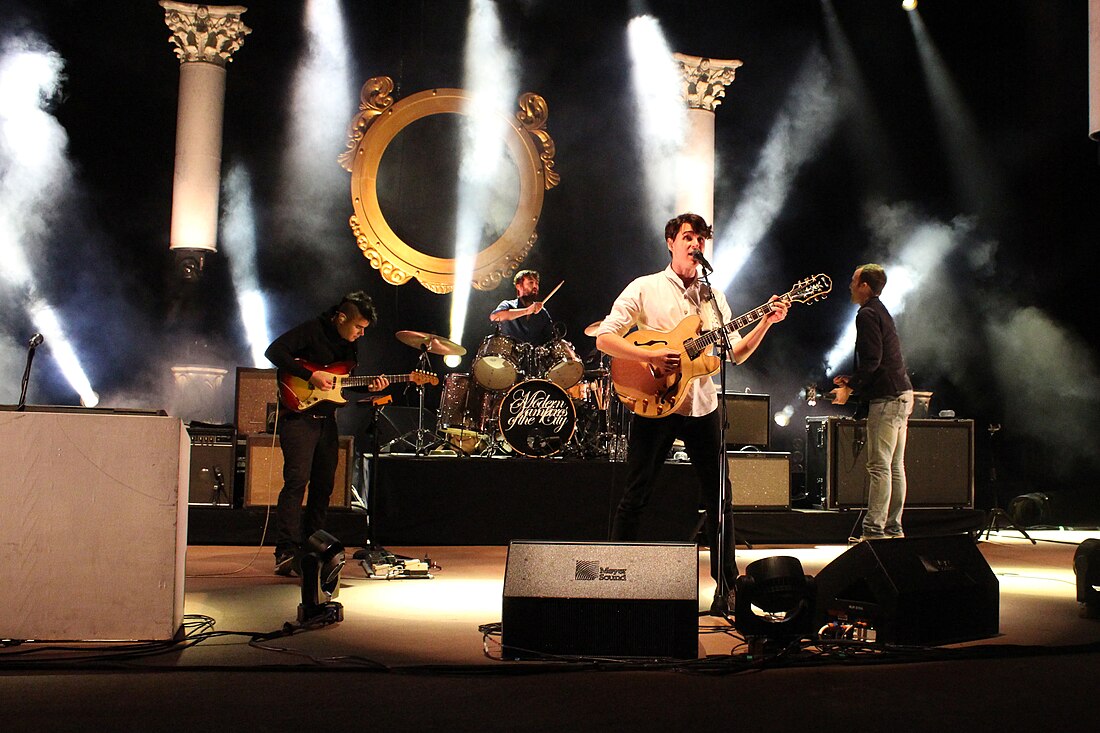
(298, 395)
(650, 393)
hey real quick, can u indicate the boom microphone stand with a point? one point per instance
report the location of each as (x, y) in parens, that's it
(32, 345)
(997, 516)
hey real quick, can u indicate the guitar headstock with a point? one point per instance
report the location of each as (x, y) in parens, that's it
(810, 289)
(419, 377)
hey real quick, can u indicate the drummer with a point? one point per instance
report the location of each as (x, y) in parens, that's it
(523, 318)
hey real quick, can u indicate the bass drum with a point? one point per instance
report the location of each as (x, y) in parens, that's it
(537, 418)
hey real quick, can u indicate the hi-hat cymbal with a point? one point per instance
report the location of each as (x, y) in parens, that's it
(590, 330)
(430, 342)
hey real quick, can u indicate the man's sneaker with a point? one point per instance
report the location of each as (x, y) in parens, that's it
(284, 565)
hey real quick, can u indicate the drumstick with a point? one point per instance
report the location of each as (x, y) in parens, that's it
(548, 297)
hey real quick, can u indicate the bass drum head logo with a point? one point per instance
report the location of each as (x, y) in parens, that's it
(537, 418)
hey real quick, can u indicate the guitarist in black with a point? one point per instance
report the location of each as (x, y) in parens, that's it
(661, 301)
(310, 440)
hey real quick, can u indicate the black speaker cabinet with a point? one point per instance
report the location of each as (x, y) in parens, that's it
(916, 590)
(939, 462)
(749, 418)
(213, 467)
(760, 480)
(600, 599)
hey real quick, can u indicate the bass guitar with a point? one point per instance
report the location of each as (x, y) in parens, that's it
(649, 393)
(298, 395)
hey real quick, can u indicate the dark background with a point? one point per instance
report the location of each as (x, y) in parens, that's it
(1000, 330)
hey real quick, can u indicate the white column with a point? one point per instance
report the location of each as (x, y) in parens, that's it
(204, 37)
(705, 82)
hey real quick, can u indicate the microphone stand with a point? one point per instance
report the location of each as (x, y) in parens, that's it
(725, 534)
(32, 347)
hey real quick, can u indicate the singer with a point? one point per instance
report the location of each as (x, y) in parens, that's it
(660, 301)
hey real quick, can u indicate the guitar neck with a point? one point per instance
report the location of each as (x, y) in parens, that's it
(366, 380)
(701, 343)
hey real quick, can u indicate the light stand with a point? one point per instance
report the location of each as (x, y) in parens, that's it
(997, 516)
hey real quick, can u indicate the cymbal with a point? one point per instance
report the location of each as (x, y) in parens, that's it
(590, 330)
(432, 343)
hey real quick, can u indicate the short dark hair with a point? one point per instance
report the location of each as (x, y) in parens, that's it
(698, 225)
(874, 275)
(358, 305)
(525, 273)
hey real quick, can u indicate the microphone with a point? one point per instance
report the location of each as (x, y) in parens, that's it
(697, 255)
(36, 341)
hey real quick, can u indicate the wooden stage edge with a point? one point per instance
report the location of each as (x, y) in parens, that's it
(487, 501)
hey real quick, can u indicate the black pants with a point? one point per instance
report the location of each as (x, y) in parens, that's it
(311, 448)
(650, 441)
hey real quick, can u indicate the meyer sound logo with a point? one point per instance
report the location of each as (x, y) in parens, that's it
(592, 570)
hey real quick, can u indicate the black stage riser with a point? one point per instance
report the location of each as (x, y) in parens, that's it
(486, 501)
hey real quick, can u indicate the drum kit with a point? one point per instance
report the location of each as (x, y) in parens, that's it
(520, 399)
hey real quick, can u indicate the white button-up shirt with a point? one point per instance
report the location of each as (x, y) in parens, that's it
(660, 302)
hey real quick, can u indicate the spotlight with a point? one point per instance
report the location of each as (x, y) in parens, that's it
(1030, 510)
(774, 600)
(321, 566)
(909, 5)
(452, 360)
(1086, 566)
(189, 263)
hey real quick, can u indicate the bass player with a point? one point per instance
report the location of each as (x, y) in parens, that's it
(660, 301)
(310, 440)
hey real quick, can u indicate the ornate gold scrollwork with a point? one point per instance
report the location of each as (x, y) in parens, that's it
(379, 121)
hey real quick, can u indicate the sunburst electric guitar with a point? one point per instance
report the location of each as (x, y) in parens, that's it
(650, 393)
(298, 395)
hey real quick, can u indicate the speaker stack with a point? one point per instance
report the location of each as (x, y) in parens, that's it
(600, 599)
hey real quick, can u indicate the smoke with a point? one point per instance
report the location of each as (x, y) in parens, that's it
(238, 236)
(1049, 385)
(660, 112)
(808, 118)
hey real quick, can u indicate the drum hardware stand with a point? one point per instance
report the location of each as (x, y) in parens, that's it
(32, 345)
(997, 516)
(421, 440)
(377, 561)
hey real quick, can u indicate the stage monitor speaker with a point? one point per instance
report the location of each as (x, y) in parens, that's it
(600, 599)
(915, 590)
(264, 471)
(256, 396)
(749, 420)
(939, 462)
(213, 467)
(760, 480)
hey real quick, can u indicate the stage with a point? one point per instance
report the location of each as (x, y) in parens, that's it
(444, 500)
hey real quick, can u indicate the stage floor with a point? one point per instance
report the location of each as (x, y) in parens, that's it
(1034, 673)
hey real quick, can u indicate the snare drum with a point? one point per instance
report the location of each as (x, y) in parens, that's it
(466, 410)
(537, 418)
(498, 361)
(559, 363)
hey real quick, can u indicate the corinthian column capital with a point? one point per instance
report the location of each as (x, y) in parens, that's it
(208, 33)
(705, 80)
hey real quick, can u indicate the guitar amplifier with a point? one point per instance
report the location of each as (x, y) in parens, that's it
(213, 464)
(939, 462)
(264, 471)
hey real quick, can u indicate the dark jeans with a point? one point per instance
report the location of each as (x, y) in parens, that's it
(311, 448)
(650, 441)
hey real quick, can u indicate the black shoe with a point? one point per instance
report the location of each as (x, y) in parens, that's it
(285, 565)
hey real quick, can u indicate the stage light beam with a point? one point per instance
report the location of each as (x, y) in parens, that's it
(239, 242)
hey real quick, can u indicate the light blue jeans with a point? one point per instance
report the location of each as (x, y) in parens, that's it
(887, 428)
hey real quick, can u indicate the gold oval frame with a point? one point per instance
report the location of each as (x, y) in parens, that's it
(379, 121)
